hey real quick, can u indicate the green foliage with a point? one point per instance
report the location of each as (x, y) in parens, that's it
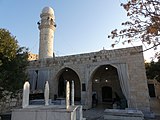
(143, 24)
(153, 70)
(8, 45)
(13, 63)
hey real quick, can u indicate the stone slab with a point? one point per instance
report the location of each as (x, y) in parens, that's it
(46, 113)
(118, 114)
(112, 117)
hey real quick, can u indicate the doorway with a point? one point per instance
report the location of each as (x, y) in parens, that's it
(106, 94)
(106, 85)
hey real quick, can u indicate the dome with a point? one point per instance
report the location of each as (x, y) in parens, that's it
(48, 10)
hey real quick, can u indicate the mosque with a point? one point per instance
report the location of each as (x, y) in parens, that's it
(103, 77)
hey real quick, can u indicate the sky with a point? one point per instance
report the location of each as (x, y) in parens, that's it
(82, 25)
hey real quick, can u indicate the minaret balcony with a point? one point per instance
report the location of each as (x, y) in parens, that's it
(41, 26)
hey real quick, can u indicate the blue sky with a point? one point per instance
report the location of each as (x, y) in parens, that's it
(82, 25)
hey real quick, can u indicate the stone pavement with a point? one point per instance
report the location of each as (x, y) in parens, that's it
(95, 113)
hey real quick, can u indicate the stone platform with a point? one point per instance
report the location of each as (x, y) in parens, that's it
(53, 112)
(115, 114)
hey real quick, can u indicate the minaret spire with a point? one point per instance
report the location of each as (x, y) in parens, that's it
(47, 28)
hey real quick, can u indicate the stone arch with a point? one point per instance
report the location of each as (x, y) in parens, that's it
(67, 73)
(60, 70)
(102, 76)
(96, 67)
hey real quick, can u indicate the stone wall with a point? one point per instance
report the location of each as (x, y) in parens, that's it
(32, 56)
(10, 101)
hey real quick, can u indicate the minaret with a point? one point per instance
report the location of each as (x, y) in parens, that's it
(47, 28)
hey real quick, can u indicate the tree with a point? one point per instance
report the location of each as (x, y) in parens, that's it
(152, 70)
(143, 24)
(13, 62)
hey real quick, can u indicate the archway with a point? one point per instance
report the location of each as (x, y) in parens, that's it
(70, 75)
(106, 86)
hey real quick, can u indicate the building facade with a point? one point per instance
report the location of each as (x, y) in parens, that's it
(113, 76)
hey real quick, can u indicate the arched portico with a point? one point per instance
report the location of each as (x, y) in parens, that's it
(104, 82)
(68, 74)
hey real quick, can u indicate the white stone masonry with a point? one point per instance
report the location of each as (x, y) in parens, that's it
(26, 91)
(46, 93)
(67, 95)
(47, 27)
(72, 93)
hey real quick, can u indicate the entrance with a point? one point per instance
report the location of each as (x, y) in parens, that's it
(151, 90)
(106, 86)
(68, 74)
(106, 94)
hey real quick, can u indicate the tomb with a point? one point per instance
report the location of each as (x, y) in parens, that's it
(47, 111)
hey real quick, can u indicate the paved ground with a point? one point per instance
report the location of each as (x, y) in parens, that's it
(95, 113)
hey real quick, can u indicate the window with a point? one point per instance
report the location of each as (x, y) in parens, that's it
(151, 90)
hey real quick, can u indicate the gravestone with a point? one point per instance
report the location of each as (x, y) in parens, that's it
(67, 95)
(72, 93)
(26, 91)
(46, 93)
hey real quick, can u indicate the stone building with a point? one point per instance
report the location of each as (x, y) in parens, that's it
(32, 56)
(112, 75)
